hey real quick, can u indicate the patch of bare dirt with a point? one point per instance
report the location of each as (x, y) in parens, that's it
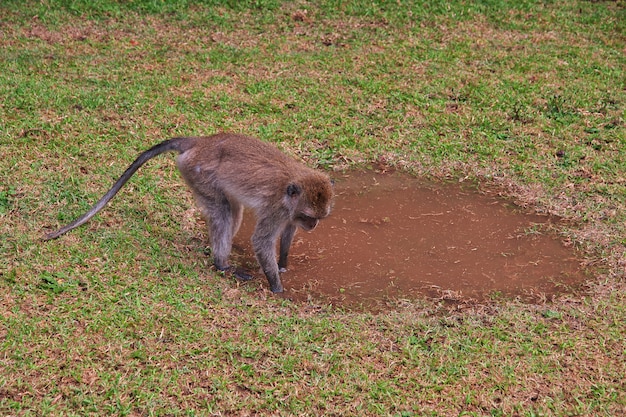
(391, 236)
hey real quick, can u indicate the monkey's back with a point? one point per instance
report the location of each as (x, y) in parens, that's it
(247, 168)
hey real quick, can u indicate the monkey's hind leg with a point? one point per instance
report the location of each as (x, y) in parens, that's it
(237, 218)
(223, 219)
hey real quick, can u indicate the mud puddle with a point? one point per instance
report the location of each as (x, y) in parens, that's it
(392, 237)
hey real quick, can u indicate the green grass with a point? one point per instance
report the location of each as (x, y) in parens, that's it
(124, 316)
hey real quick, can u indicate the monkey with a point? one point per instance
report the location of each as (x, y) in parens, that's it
(227, 172)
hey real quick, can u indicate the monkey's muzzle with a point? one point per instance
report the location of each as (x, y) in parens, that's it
(307, 223)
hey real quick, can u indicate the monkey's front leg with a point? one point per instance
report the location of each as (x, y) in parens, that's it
(285, 243)
(270, 269)
(264, 245)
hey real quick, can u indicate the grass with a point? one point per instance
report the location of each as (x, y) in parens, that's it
(124, 315)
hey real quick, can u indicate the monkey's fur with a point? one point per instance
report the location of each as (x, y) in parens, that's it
(227, 172)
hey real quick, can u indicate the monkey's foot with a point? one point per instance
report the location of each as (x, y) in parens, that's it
(239, 273)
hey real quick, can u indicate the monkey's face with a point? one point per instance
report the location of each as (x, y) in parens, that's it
(314, 198)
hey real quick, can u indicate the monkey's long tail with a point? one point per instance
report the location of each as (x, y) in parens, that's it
(175, 144)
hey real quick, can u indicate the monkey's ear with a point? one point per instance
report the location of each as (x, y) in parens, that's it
(294, 190)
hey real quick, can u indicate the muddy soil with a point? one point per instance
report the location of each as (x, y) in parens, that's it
(393, 237)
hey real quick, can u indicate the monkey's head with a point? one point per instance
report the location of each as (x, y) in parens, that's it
(310, 199)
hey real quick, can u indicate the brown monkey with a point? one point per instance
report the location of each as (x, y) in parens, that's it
(227, 172)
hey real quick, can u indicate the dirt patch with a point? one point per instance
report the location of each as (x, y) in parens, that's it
(391, 236)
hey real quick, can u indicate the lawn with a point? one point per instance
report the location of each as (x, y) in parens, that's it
(125, 315)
